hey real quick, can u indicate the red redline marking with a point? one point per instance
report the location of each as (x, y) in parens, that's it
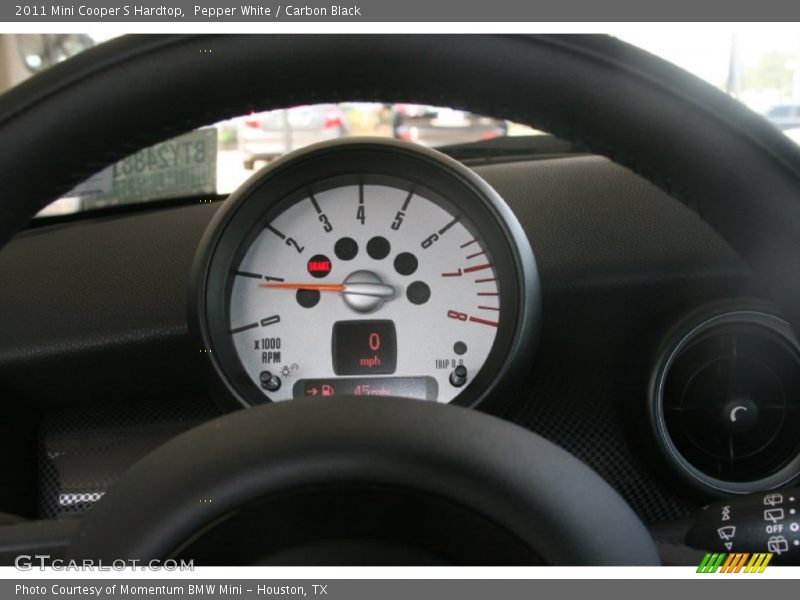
(489, 307)
(452, 274)
(476, 254)
(485, 280)
(483, 321)
(477, 268)
(468, 243)
(488, 294)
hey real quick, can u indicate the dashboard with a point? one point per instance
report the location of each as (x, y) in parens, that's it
(619, 263)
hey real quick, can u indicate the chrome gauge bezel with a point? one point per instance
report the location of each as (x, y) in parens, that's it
(283, 182)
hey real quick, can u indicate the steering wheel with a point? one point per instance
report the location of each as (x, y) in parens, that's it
(507, 486)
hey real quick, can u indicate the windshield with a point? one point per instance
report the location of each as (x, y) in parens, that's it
(217, 159)
(760, 70)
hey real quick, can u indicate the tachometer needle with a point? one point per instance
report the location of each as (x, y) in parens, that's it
(378, 290)
(362, 291)
(320, 287)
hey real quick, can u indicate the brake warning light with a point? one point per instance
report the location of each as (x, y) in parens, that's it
(319, 265)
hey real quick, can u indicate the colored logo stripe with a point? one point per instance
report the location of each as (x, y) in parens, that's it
(711, 563)
(758, 563)
(734, 562)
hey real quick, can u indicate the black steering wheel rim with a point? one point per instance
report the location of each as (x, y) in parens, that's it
(740, 174)
(552, 503)
(732, 167)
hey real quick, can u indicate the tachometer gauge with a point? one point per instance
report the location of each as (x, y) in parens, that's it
(365, 268)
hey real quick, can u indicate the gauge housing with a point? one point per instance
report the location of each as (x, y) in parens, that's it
(283, 181)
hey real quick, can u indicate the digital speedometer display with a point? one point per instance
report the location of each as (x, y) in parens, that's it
(367, 272)
(364, 347)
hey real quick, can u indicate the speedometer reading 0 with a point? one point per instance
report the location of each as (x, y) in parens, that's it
(366, 269)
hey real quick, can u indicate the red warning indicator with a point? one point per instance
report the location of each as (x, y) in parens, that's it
(324, 389)
(318, 265)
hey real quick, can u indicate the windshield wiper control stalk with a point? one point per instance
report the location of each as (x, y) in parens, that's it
(765, 522)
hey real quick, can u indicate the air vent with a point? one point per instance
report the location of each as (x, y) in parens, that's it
(726, 402)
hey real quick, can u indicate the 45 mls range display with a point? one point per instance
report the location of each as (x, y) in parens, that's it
(366, 268)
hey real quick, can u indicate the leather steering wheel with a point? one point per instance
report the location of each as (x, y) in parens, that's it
(740, 174)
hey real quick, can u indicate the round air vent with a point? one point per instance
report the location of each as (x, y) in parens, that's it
(726, 402)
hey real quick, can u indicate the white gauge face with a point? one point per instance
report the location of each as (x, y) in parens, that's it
(364, 289)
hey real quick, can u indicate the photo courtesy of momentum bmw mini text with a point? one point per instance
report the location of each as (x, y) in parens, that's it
(398, 300)
(165, 590)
